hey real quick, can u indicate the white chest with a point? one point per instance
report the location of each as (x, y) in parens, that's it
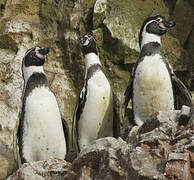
(98, 92)
(98, 111)
(152, 88)
(41, 106)
(43, 132)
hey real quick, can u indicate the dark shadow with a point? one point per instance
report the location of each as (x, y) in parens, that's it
(71, 55)
(171, 5)
(186, 58)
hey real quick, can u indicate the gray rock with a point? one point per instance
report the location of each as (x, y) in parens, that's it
(106, 158)
(50, 169)
(161, 152)
(178, 166)
(99, 12)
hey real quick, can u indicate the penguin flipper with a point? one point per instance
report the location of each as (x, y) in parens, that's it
(128, 93)
(78, 110)
(74, 131)
(66, 133)
(181, 90)
(125, 99)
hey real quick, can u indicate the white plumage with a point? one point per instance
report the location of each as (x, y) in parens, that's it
(43, 137)
(149, 37)
(152, 88)
(40, 134)
(96, 120)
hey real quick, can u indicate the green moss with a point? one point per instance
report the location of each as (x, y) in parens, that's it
(98, 19)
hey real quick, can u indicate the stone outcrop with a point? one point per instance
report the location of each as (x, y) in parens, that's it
(162, 151)
(58, 24)
(50, 169)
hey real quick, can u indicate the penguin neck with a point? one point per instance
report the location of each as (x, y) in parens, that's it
(28, 71)
(91, 59)
(150, 49)
(148, 38)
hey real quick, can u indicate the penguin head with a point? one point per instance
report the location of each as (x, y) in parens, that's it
(35, 56)
(88, 44)
(156, 25)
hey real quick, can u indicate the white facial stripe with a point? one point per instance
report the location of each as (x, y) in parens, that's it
(28, 51)
(149, 37)
(144, 29)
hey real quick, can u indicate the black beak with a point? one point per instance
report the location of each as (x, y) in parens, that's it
(168, 23)
(44, 51)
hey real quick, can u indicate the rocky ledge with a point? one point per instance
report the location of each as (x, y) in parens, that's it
(162, 148)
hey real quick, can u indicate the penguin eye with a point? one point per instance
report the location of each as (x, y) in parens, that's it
(159, 19)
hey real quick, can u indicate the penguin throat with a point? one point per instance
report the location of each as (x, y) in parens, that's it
(91, 59)
(149, 37)
(28, 71)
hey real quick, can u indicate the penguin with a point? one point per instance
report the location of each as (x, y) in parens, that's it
(41, 132)
(153, 84)
(93, 117)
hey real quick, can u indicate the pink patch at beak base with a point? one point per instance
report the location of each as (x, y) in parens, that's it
(38, 54)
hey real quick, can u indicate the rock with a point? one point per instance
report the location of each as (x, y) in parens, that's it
(162, 152)
(192, 161)
(159, 153)
(184, 14)
(183, 10)
(49, 169)
(178, 166)
(184, 115)
(4, 167)
(107, 158)
(190, 49)
(99, 12)
(7, 160)
(122, 24)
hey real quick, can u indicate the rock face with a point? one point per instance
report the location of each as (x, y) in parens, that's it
(163, 152)
(58, 24)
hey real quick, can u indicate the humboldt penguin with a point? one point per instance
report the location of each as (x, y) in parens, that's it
(93, 117)
(41, 133)
(153, 84)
